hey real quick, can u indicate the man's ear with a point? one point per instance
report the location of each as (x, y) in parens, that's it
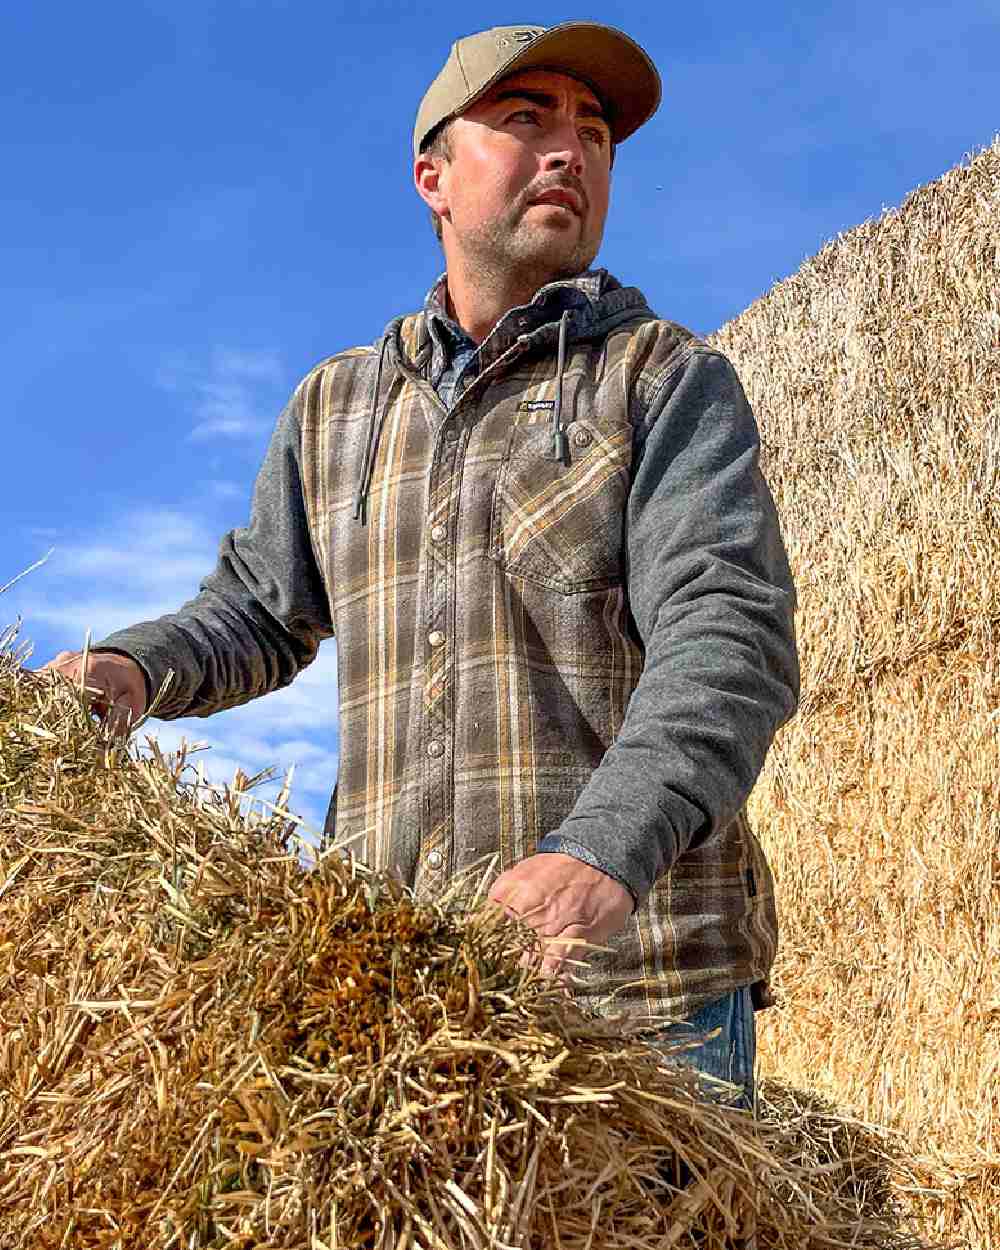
(430, 177)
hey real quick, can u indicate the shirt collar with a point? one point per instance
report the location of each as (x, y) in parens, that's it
(548, 303)
(447, 335)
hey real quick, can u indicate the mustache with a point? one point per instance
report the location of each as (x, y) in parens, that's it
(556, 182)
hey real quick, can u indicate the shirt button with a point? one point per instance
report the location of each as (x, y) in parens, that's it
(439, 533)
(434, 859)
(582, 438)
(435, 638)
(435, 748)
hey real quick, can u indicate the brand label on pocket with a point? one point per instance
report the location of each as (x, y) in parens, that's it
(536, 405)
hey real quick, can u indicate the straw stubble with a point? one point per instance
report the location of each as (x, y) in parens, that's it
(206, 1042)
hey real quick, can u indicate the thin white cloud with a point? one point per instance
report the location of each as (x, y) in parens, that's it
(232, 396)
(220, 489)
(149, 565)
(250, 366)
(102, 562)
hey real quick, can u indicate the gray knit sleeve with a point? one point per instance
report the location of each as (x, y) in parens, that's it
(712, 597)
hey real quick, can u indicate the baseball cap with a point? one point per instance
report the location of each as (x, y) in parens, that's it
(615, 68)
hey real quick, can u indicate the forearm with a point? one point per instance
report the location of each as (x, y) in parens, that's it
(689, 752)
(713, 601)
(223, 648)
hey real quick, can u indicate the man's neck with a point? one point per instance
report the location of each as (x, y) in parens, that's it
(478, 305)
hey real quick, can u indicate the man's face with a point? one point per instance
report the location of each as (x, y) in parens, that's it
(535, 136)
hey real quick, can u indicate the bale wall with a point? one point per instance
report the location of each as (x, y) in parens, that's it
(874, 372)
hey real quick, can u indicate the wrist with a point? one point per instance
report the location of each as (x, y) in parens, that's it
(557, 844)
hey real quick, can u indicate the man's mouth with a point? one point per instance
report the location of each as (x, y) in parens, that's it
(562, 199)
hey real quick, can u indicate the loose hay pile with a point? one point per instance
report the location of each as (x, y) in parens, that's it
(203, 1043)
(875, 374)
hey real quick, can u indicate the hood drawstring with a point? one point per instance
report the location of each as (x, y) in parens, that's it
(375, 420)
(560, 444)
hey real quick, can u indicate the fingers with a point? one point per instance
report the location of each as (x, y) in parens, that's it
(529, 957)
(531, 916)
(570, 905)
(118, 717)
(558, 954)
(509, 894)
(562, 950)
(116, 712)
(114, 686)
(68, 664)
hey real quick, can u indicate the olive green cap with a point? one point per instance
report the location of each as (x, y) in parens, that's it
(615, 68)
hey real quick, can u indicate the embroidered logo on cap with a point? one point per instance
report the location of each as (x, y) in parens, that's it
(523, 37)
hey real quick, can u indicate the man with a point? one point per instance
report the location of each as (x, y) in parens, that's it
(533, 517)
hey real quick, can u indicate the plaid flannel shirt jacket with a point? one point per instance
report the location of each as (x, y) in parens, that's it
(563, 612)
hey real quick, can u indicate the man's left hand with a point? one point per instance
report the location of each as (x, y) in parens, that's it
(562, 897)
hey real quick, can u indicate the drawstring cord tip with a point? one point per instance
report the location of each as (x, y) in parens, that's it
(560, 444)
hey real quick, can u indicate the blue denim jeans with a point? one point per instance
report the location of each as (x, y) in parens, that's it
(730, 1056)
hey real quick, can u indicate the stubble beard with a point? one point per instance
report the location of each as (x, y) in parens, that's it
(510, 254)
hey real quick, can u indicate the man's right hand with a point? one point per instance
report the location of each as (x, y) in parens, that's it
(115, 685)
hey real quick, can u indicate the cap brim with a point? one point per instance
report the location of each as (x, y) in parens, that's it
(613, 66)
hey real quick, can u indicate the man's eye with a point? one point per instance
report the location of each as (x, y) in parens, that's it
(529, 113)
(595, 135)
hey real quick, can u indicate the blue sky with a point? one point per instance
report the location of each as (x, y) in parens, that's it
(202, 200)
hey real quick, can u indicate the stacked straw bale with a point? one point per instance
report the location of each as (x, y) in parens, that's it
(875, 374)
(205, 1042)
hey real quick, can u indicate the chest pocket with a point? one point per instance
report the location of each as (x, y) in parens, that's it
(560, 524)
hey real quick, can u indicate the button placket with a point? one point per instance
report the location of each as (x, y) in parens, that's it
(436, 836)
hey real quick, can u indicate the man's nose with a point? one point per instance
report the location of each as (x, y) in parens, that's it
(566, 151)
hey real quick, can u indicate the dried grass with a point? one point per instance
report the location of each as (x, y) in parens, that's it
(205, 1042)
(875, 374)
